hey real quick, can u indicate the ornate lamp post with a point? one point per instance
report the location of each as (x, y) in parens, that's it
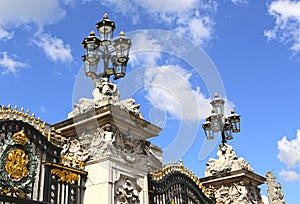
(217, 122)
(114, 52)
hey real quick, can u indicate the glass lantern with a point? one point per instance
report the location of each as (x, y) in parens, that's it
(215, 121)
(106, 29)
(91, 57)
(218, 104)
(234, 120)
(122, 46)
(119, 69)
(209, 133)
(227, 131)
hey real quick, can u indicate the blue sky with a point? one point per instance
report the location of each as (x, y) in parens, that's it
(254, 51)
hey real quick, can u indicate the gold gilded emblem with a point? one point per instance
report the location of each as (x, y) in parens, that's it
(16, 164)
(65, 176)
(20, 138)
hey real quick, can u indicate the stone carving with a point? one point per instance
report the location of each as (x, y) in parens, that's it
(275, 194)
(109, 141)
(83, 106)
(73, 154)
(129, 104)
(227, 161)
(238, 193)
(18, 166)
(127, 191)
(105, 92)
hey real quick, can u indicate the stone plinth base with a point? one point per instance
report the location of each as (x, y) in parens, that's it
(236, 187)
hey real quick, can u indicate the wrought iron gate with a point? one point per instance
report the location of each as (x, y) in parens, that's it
(30, 168)
(175, 184)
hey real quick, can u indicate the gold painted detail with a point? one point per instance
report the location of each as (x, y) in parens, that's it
(16, 164)
(8, 113)
(65, 175)
(179, 167)
(16, 191)
(20, 138)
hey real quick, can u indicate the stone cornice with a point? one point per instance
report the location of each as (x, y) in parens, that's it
(126, 123)
(233, 176)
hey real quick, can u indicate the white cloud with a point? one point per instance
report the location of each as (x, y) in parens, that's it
(54, 48)
(287, 23)
(270, 34)
(168, 5)
(198, 28)
(168, 89)
(289, 154)
(148, 50)
(289, 151)
(43, 109)
(35, 15)
(190, 17)
(14, 13)
(5, 35)
(289, 175)
(10, 64)
(236, 2)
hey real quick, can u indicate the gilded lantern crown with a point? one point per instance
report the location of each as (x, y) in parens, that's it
(91, 39)
(20, 138)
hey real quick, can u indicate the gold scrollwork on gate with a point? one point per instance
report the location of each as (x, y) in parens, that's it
(16, 164)
(65, 175)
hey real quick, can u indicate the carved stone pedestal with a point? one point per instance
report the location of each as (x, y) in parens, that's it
(237, 187)
(232, 179)
(120, 155)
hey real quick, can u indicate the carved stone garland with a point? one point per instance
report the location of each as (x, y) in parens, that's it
(127, 191)
(74, 155)
(237, 193)
(18, 169)
(109, 141)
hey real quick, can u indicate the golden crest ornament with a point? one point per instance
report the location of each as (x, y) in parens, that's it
(16, 164)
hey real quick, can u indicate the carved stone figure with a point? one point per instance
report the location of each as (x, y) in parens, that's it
(102, 142)
(227, 161)
(83, 106)
(133, 108)
(127, 191)
(109, 141)
(275, 194)
(73, 154)
(105, 92)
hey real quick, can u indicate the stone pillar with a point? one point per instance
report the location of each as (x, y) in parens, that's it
(121, 156)
(232, 178)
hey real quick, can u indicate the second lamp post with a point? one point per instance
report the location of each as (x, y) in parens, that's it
(217, 122)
